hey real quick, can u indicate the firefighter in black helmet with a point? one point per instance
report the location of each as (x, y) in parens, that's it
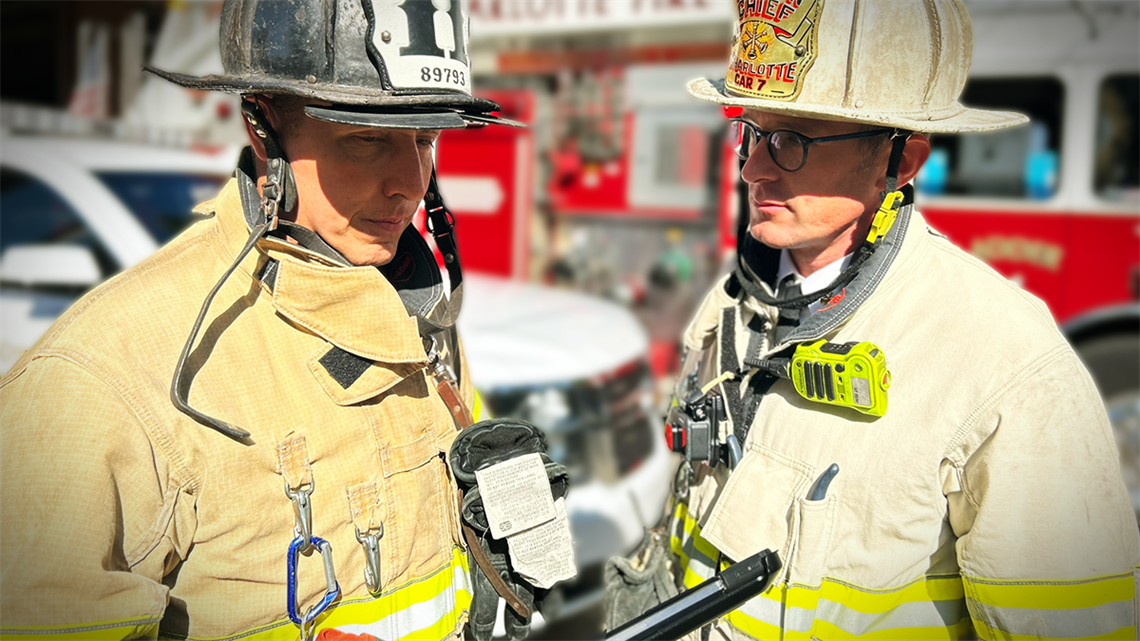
(246, 435)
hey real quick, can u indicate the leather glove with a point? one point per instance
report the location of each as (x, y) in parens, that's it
(639, 583)
(480, 446)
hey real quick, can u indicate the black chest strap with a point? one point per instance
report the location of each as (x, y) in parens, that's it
(742, 397)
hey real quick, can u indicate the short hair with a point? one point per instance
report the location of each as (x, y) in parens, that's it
(288, 108)
(870, 148)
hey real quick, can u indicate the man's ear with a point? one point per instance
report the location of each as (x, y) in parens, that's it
(915, 153)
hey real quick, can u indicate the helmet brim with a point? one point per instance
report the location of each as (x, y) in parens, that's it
(412, 119)
(404, 119)
(358, 106)
(959, 120)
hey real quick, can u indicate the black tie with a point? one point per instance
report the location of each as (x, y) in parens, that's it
(790, 317)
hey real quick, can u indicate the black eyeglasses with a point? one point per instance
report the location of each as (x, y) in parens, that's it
(789, 150)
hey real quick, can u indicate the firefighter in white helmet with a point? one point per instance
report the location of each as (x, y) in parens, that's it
(965, 482)
(247, 435)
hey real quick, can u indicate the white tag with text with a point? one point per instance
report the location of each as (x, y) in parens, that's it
(544, 554)
(516, 495)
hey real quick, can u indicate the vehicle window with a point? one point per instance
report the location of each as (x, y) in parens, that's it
(34, 214)
(162, 201)
(1021, 162)
(1117, 174)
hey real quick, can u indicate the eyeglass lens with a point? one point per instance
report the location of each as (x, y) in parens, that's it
(787, 149)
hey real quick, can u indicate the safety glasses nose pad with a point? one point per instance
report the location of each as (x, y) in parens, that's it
(743, 139)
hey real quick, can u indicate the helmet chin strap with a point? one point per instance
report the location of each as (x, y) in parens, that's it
(890, 199)
(279, 193)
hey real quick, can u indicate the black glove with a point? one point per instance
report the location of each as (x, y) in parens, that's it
(480, 446)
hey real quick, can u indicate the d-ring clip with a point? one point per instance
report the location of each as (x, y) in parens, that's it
(302, 512)
(370, 541)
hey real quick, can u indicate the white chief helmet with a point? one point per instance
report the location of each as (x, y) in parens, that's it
(893, 63)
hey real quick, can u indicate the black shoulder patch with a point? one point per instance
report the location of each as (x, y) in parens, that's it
(343, 366)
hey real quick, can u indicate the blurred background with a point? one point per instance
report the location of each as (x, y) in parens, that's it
(592, 234)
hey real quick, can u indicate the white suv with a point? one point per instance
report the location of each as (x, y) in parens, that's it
(77, 211)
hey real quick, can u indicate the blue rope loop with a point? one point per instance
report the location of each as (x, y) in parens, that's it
(324, 548)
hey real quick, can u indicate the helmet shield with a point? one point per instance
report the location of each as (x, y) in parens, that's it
(364, 57)
(900, 64)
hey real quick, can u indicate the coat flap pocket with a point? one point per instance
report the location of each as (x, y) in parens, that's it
(408, 456)
(755, 509)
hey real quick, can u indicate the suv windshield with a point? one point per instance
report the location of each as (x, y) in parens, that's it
(162, 201)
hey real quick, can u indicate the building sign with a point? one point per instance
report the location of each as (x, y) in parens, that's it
(527, 17)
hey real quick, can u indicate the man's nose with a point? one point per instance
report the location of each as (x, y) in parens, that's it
(405, 176)
(759, 167)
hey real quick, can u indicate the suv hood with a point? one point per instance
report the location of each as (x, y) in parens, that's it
(515, 333)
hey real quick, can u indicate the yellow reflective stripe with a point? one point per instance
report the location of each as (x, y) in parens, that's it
(873, 601)
(118, 629)
(450, 582)
(703, 552)
(479, 409)
(1093, 608)
(693, 532)
(886, 614)
(807, 611)
(1052, 595)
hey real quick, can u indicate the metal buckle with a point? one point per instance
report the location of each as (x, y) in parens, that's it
(324, 548)
(273, 191)
(371, 544)
(302, 512)
(441, 370)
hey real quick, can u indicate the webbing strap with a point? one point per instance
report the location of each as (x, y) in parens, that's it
(741, 408)
(898, 144)
(441, 224)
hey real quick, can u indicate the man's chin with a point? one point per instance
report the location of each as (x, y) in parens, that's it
(370, 255)
(764, 234)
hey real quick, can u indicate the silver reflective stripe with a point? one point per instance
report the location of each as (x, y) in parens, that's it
(772, 612)
(1070, 623)
(916, 614)
(413, 618)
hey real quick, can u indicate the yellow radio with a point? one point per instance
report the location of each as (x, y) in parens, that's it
(850, 374)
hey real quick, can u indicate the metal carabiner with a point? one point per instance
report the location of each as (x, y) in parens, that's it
(370, 541)
(324, 548)
(302, 511)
